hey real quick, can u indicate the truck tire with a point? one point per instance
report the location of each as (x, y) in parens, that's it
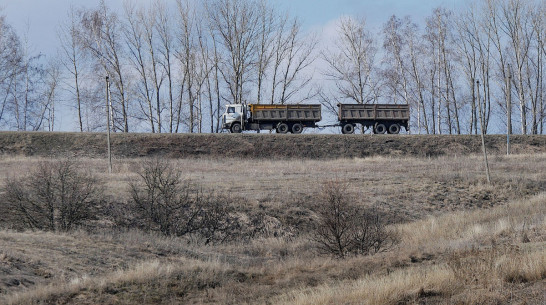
(380, 128)
(282, 128)
(348, 129)
(394, 129)
(236, 128)
(297, 128)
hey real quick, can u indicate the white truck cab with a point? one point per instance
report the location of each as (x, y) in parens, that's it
(233, 118)
(282, 118)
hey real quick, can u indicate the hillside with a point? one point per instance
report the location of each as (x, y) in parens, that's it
(276, 146)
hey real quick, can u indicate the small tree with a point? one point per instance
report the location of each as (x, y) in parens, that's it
(369, 233)
(333, 231)
(343, 228)
(163, 200)
(172, 207)
(54, 197)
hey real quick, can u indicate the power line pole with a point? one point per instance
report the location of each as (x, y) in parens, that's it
(108, 124)
(482, 123)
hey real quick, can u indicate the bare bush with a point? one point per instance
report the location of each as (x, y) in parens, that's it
(343, 228)
(162, 200)
(55, 196)
(335, 220)
(173, 207)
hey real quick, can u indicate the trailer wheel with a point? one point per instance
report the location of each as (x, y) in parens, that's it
(297, 128)
(282, 128)
(236, 128)
(380, 128)
(348, 129)
(394, 129)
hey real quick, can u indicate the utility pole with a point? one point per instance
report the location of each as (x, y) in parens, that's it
(108, 124)
(508, 109)
(482, 124)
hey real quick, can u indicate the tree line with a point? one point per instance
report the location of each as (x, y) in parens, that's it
(172, 66)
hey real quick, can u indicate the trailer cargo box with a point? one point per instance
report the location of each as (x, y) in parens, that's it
(381, 117)
(286, 113)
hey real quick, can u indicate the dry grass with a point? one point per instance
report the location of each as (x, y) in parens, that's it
(488, 271)
(145, 276)
(463, 241)
(397, 287)
(410, 188)
(466, 229)
(479, 250)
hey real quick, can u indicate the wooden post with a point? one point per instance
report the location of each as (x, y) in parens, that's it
(482, 124)
(108, 124)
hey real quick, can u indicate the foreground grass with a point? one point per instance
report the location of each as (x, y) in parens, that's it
(484, 255)
(497, 263)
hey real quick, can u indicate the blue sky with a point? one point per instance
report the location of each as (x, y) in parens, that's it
(39, 18)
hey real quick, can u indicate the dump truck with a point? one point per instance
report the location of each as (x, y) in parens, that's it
(381, 117)
(281, 118)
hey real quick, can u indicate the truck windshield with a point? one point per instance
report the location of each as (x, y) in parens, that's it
(231, 110)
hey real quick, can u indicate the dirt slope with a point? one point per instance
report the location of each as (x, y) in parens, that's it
(257, 145)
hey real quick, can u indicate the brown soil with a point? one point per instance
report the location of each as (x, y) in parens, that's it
(258, 145)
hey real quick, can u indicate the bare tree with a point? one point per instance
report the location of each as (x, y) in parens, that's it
(72, 56)
(395, 73)
(237, 24)
(102, 38)
(351, 64)
(269, 24)
(536, 69)
(53, 197)
(140, 58)
(299, 56)
(516, 25)
(52, 79)
(540, 29)
(468, 31)
(166, 49)
(30, 84)
(417, 71)
(280, 42)
(187, 57)
(148, 19)
(11, 63)
(215, 75)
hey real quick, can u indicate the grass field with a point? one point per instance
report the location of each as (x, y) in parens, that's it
(462, 241)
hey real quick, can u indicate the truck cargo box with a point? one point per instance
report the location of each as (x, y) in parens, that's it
(295, 113)
(349, 112)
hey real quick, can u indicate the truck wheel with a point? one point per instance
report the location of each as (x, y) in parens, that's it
(236, 128)
(297, 128)
(380, 128)
(348, 129)
(282, 128)
(394, 129)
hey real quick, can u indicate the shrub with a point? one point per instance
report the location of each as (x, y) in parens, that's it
(342, 228)
(173, 207)
(55, 196)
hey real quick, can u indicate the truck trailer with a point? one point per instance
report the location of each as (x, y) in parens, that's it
(381, 117)
(294, 118)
